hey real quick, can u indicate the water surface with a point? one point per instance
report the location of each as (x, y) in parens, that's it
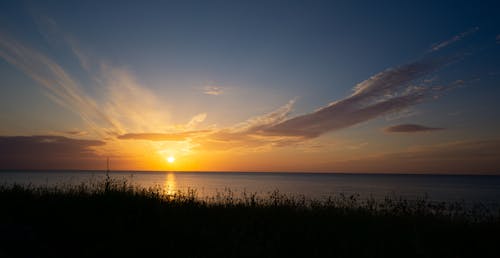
(448, 188)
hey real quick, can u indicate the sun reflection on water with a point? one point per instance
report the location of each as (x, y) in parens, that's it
(170, 184)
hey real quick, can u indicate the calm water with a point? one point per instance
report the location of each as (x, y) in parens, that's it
(484, 189)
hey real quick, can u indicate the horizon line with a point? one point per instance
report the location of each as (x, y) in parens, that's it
(254, 171)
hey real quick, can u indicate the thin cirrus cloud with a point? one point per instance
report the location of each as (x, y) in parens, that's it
(213, 90)
(60, 86)
(104, 117)
(76, 133)
(387, 92)
(454, 39)
(242, 135)
(410, 128)
(162, 136)
(384, 93)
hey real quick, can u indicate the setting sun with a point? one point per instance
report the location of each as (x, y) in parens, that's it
(170, 159)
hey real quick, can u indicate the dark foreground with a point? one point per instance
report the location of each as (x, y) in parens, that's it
(113, 219)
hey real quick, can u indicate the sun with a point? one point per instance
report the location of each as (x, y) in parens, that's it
(171, 159)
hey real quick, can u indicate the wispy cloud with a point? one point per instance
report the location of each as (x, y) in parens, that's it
(357, 146)
(454, 39)
(163, 136)
(197, 119)
(404, 113)
(410, 128)
(386, 92)
(65, 133)
(123, 105)
(128, 110)
(128, 103)
(76, 132)
(256, 124)
(245, 135)
(52, 33)
(213, 90)
(61, 87)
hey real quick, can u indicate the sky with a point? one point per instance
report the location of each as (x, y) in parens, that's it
(296, 86)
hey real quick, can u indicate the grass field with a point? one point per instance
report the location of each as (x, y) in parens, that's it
(116, 219)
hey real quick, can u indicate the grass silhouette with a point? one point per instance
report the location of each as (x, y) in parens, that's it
(114, 218)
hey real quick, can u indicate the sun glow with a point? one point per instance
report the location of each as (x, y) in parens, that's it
(171, 159)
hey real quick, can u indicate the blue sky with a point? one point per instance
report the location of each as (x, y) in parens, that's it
(226, 62)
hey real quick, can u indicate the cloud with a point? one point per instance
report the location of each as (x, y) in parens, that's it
(258, 123)
(454, 39)
(196, 120)
(247, 135)
(498, 39)
(130, 105)
(76, 133)
(357, 146)
(61, 87)
(410, 128)
(70, 133)
(384, 93)
(213, 90)
(162, 136)
(53, 34)
(47, 152)
(401, 114)
(123, 104)
(387, 92)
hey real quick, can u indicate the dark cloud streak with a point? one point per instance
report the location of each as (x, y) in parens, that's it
(410, 128)
(47, 152)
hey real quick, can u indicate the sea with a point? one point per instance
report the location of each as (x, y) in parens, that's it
(484, 189)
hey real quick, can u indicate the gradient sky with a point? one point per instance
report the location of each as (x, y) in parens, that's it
(320, 86)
